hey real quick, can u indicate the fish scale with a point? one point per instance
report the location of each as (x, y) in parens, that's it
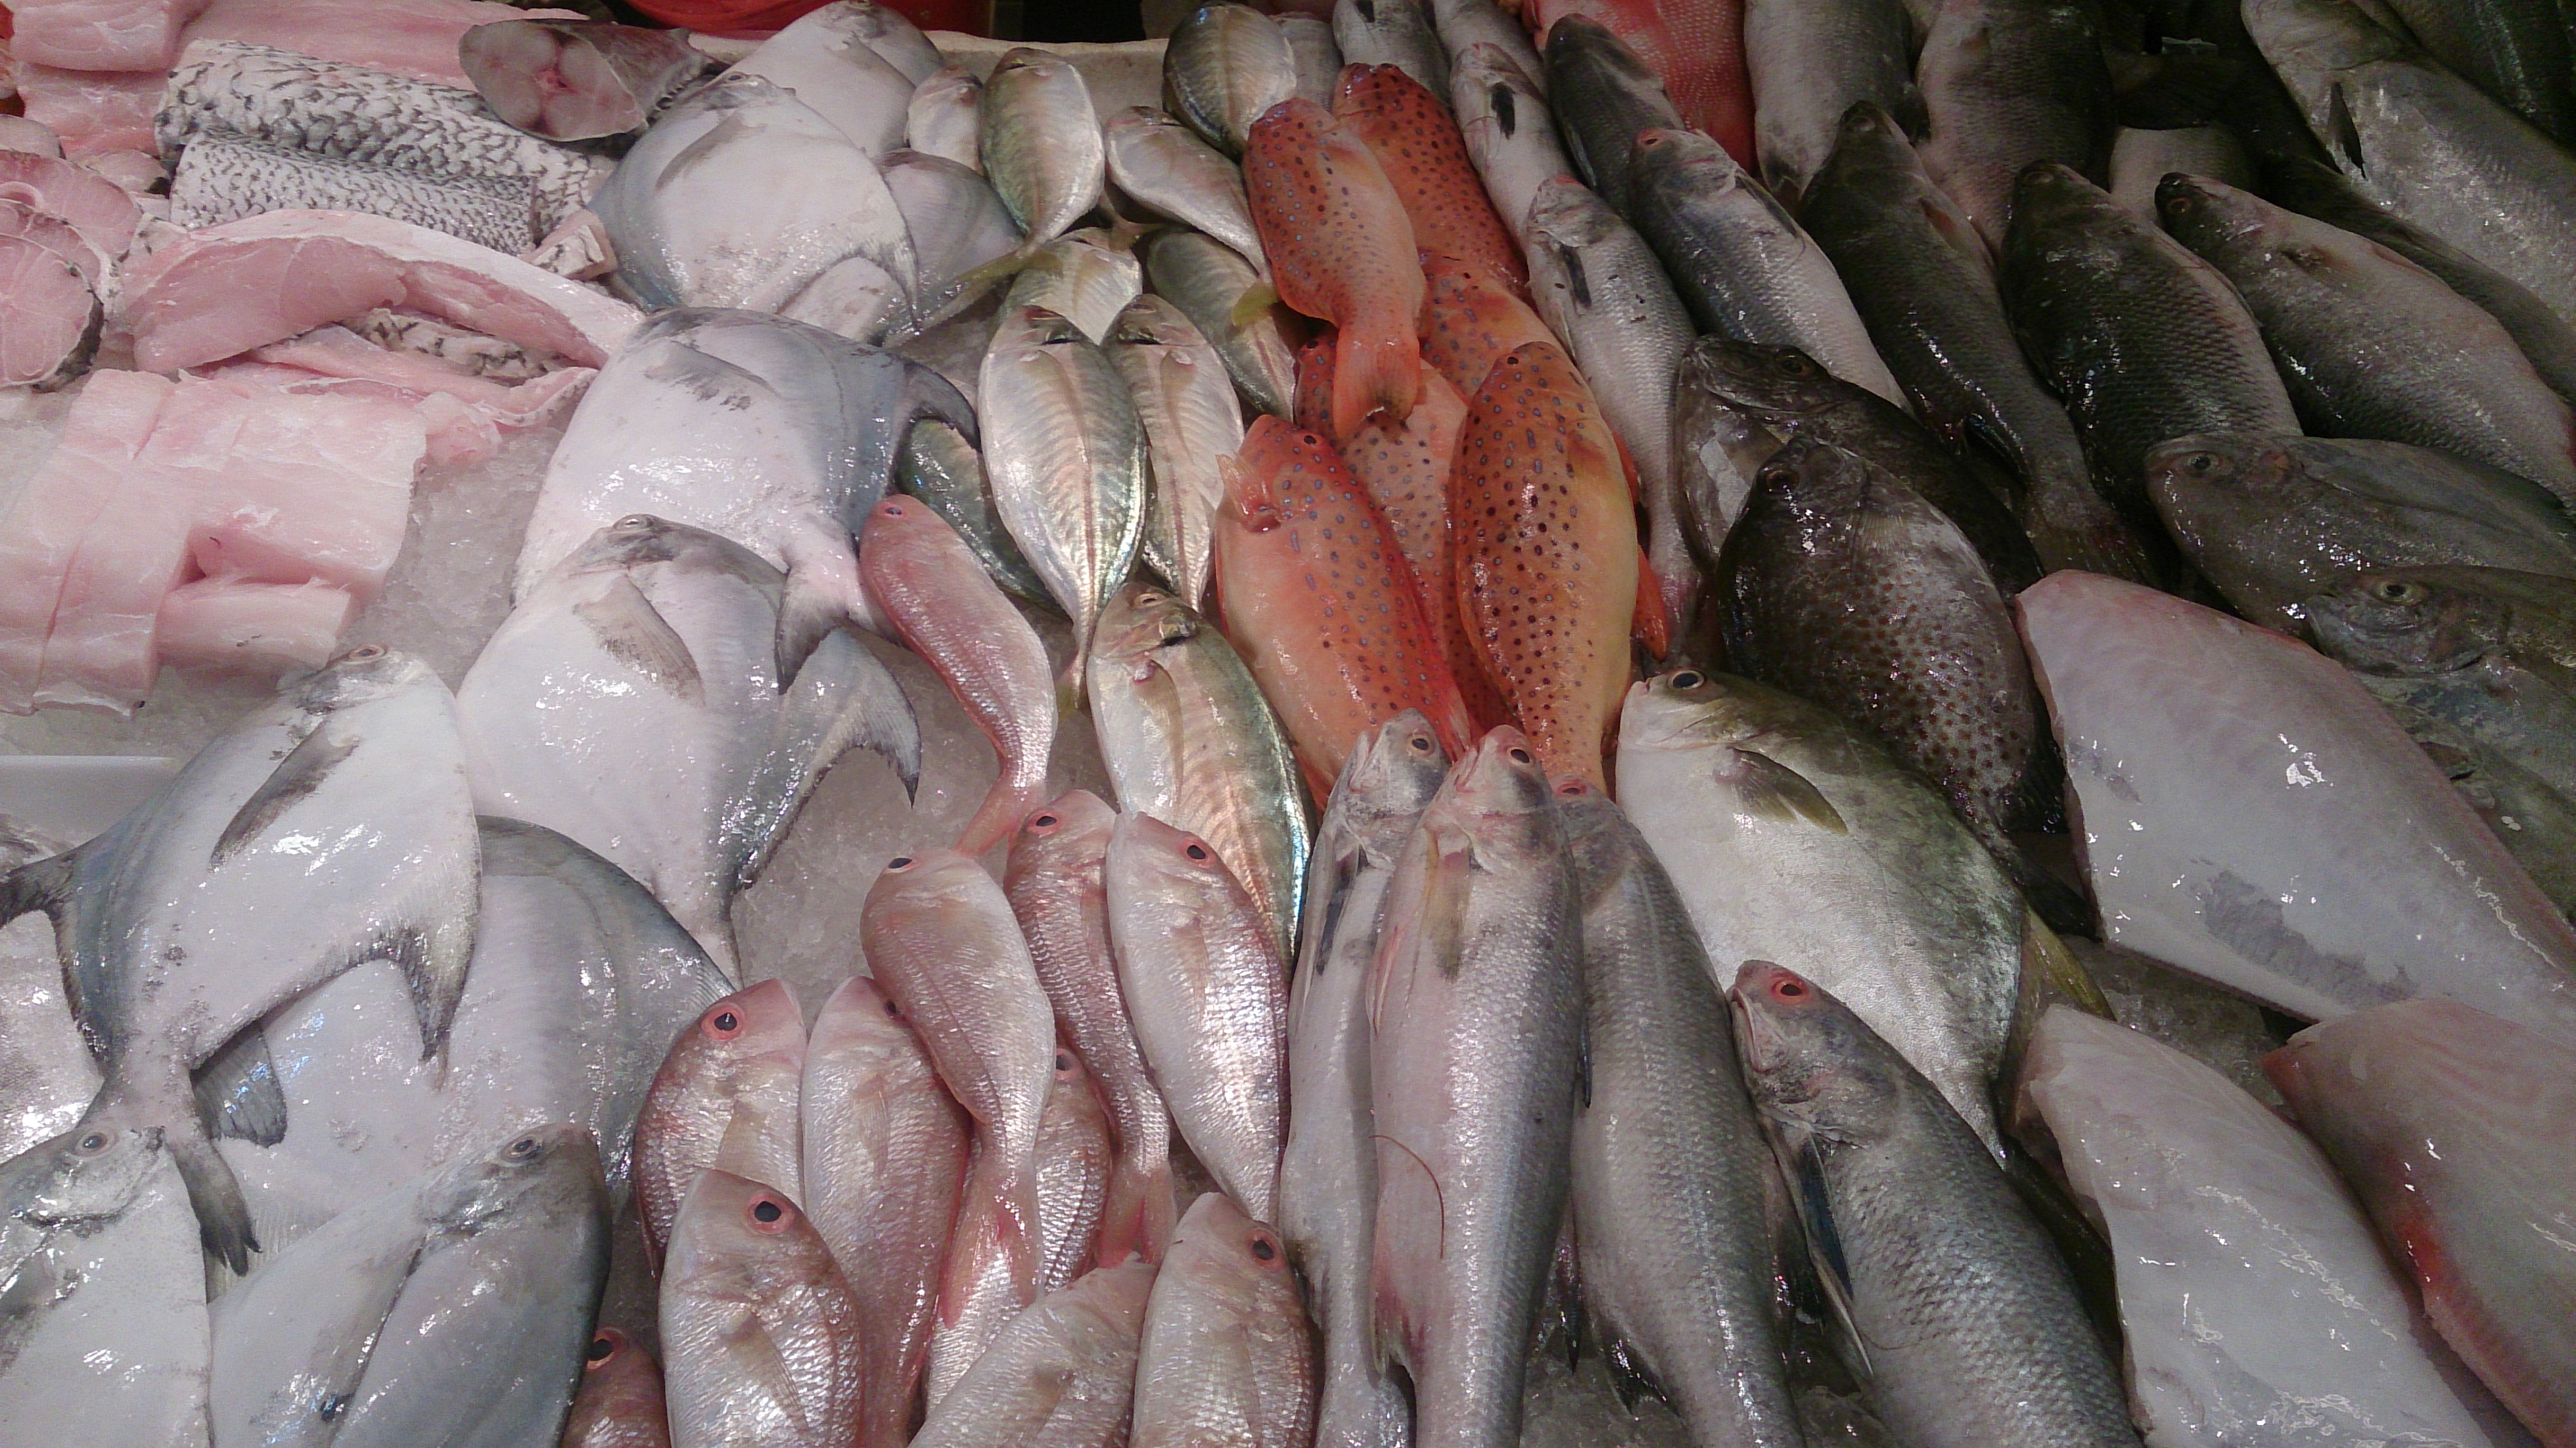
(1418, 145)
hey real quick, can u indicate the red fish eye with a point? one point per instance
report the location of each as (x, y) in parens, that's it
(892, 510)
(723, 1024)
(1789, 988)
(1520, 756)
(768, 1214)
(602, 1348)
(1265, 1248)
(1195, 850)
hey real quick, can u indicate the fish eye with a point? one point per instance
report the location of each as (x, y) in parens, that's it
(1687, 679)
(91, 1143)
(1063, 1061)
(768, 1212)
(891, 510)
(1264, 1247)
(1041, 824)
(1795, 364)
(2200, 464)
(366, 655)
(2398, 590)
(635, 523)
(1573, 787)
(894, 1010)
(1789, 988)
(602, 1348)
(1195, 850)
(1148, 599)
(1421, 743)
(522, 1149)
(1519, 756)
(898, 864)
(723, 1024)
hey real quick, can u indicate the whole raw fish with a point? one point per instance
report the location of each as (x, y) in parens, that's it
(1073, 1173)
(1477, 1014)
(1192, 422)
(1319, 56)
(1161, 163)
(1227, 1354)
(1057, 888)
(1086, 277)
(726, 1097)
(2456, 1130)
(619, 1403)
(1041, 142)
(883, 1162)
(1809, 66)
(1471, 318)
(633, 702)
(761, 1338)
(958, 223)
(1921, 280)
(1672, 1187)
(2235, 790)
(1792, 837)
(824, 59)
(943, 469)
(1418, 147)
(1215, 288)
(1225, 67)
(1546, 545)
(1741, 263)
(2514, 51)
(949, 611)
(1189, 740)
(1698, 50)
(1065, 454)
(945, 118)
(1953, 1304)
(2271, 519)
(1603, 94)
(1328, 1172)
(1391, 33)
(1208, 998)
(1062, 1375)
(2008, 84)
(1509, 133)
(1342, 249)
(2251, 1289)
(1315, 587)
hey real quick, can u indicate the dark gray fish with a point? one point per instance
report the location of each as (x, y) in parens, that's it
(225, 178)
(2007, 84)
(2515, 50)
(1810, 64)
(577, 80)
(2274, 519)
(1603, 95)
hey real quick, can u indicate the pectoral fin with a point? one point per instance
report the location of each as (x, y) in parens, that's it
(1802, 1160)
(633, 632)
(1771, 790)
(299, 774)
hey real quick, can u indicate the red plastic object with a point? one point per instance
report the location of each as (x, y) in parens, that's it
(973, 17)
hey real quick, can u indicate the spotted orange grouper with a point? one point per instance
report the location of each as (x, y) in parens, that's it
(1545, 534)
(1322, 603)
(1470, 319)
(1418, 145)
(1341, 249)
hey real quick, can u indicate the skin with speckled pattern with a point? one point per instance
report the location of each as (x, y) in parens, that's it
(1419, 146)
(1545, 539)
(1342, 249)
(1319, 595)
(1470, 320)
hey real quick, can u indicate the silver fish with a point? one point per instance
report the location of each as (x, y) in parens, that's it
(1193, 424)
(2008, 84)
(1073, 1173)
(892, 35)
(942, 469)
(1810, 64)
(1041, 143)
(1465, 24)
(225, 178)
(946, 119)
(1227, 1354)
(1328, 1173)
(1502, 112)
(1319, 59)
(1085, 277)
(1164, 165)
(1392, 32)
(1226, 64)
(761, 1337)
(957, 223)
(1062, 1375)
(1208, 281)
(823, 59)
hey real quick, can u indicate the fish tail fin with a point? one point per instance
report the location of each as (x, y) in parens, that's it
(1000, 1217)
(807, 614)
(2060, 905)
(223, 1213)
(1377, 365)
(38, 885)
(1136, 1220)
(1006, 804)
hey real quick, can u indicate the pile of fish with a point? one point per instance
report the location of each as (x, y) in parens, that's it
(1637, 573)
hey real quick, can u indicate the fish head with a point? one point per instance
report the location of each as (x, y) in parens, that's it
(1075, 823)
(1152, 857)
(1868, 131)
(362, 675)
(1029, 65)
(543, 1170)
(1030, 327)
(1153, 321)
(1141, 618)
(2219, 484)
(1392, 770)
(861, 1023)
(739, 1240)
(1567, 214)
(1680, 162)
(1217, 1242)
(2055, 206)
(1765, 382)
(755, 1032)
(1694, 708)
(927, 889)
(2399, 621)
(1278, 466)
(2207, 215)
(1817, 483)
(1499, 782)
(1576, 39)
(1807, 1059)
(78, 1181)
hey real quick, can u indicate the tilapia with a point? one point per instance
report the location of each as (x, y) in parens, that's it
(1954, 1307)
(1058, 888)
(945, 118)
(2008, 84)
(942, 469)
(1227, 1354)
(2427, 144)
(1510, 134)
(882, 1162)
(1672, 1187)
(1189, 741)
(222, 177)
(1192, 424)
(205, 907)
(352, 113)
(1599, 287)
(2233, 789)
(1392, 32)
(1211, 283)
(1545, 539)
(2271, 520)
(2252, 1294)
(1810, 65)
(726, 1097)
(1603, 96)
(743, 196)
(1162, 164)
(1062, 1375)
(958, 224)
(1741, 263)
(2372, 345)
(760, 1335)
(1207, 995)
(1921, 280)
(1476, 1009)
(1225, 67)
(1065, 457)
(1318, 56)
(1073, 1173)
(2455, 1129)
(1328, 1172)
(1419, 148)
(951, 614)
(455, 1310)
(577, 80)
(1086, 277)
(1041, 142)
(823, 58)
(620, 1403)
(2144, 340)
(649, 657)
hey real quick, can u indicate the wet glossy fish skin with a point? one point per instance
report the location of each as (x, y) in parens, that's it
(1319, 57)
(2453, 1128)
(1073, 1172)
(1968, 1320)
(1086, 277)
(761, 1337)
(1740, 262)
(1328, 1172)
(725, 1097)
(1465, 24)
(1922, 282)
(1419, 148)
(943, 469)
(2272, 519)
(1207, 281)
(883, 1165)
(1208, 998)
(1057, 887)
(2373, 346)
(2144, 340)
(1510, 134)
(1192, 423)
(1227, 1354)
(1810, 64)
(1065, 454)
(1041, 142)
(1603, 95)
(1060, 1376)
(1163, 164)
(1392, 32)
(1476, 1009)
(1189, 740)
(2007, 84)
(1671, 1180)
(619, 1403)
(576, 80)
(946, 117)
(1544, 530)
(1225, 67)
(958, 224)
(1739, 789)
(1470, 319)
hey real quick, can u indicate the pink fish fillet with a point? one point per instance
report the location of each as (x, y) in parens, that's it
(47, 310)
(91, 111)
(92, 205)
(108, 426)
(101, 34)
(251, 628)
(227, 289)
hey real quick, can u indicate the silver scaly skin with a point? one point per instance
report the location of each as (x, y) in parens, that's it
(1225, 66)
(224, 178)
(1207, 280)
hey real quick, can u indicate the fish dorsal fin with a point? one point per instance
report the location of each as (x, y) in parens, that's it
(1773, 791)
(633, 632)
(1251, 307)
(299, 774)
(842, 699)
(2342, 135)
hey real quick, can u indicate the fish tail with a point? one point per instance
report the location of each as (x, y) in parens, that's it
(223, 1213)
(1136, 1220)
(38, 885)
(1377, 365)
(1006, 804)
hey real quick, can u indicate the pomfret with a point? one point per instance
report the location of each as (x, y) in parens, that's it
(761, 1337)
(1163, 164)
(1062, 1375)
(1227, 1354)
(1177, 380)
(1085, 277)
(1041, 143)
(1811, 64)
(1224, 68)
(620, 1403)
(1419, 148)
(1510, 134)
(958, 224)
(1392, 33)
(1209, 282)
(824, 60)
(726, 1097)
(1603, 96)
(2008, 84)
(945, 118)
